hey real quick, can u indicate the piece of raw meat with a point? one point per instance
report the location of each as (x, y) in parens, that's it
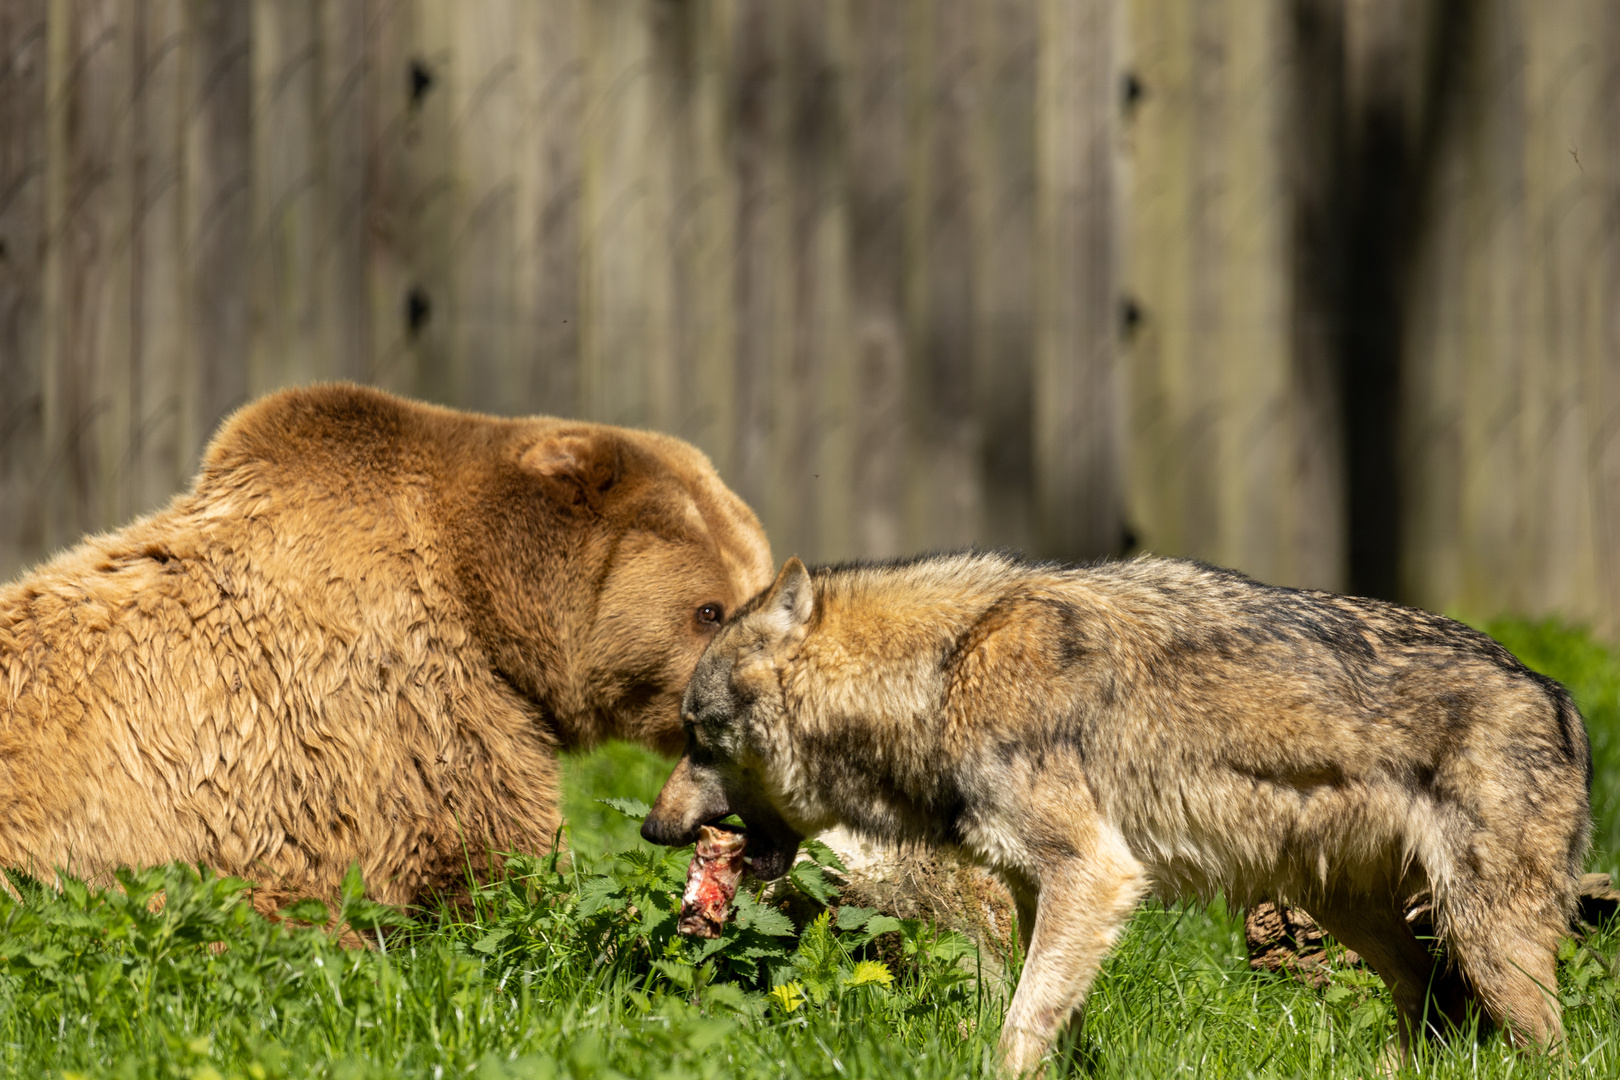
(711, 881)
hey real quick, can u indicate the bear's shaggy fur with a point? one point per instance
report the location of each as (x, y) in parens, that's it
(362, 636)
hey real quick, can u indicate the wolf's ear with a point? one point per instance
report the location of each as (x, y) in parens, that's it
(790, 601)
(576, 469)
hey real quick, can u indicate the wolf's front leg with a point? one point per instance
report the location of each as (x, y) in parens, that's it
(1084, 900)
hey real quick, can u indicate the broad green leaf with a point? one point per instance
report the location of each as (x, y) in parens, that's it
(682, 975)
(634, 809)
(598, 893)
(809, 878)
(752, 915)
(823, 855)
(851, 917)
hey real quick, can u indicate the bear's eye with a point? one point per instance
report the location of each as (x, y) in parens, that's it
(710, 614)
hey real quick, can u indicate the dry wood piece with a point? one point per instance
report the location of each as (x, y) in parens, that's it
(1599, 900)
(1282, 937)
(711, 881)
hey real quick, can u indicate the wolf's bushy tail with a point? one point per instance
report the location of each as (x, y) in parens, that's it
(1505, 884)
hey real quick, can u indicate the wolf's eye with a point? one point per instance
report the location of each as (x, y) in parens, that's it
(710, 614)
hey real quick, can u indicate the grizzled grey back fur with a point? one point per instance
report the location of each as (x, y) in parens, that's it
(1183, 728)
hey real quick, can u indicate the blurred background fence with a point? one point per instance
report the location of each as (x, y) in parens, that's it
(1328, 290)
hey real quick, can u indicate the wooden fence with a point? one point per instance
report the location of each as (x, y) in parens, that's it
(1324, 289)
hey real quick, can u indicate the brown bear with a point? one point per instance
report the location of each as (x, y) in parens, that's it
(362, 636)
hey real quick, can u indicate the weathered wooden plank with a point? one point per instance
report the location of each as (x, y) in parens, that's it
(343, 152)
(218, 214)
(1157, 237)
(813, 284)
(559, 114)
(707, 226)
(289, 192)
(1494, 281)
(23, 197)
(490, 103)
(755, 109)
(1003, 207)
(1315, 147)
(1596, 284)
(1076, 399)
(395, 82)
(878, 261)
(1552, 553)
(157, 460)
(432, 199)
(831, 461)
(1570, 103)
(1253, 302)
(86, 299)
(946, 434)
(616, 280)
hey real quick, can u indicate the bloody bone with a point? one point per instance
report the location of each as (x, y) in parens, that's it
(711, 881)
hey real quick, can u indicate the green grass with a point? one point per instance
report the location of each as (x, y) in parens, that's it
(572, 969)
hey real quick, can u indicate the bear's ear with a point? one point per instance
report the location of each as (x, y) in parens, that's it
(790, 602)
(577, 469)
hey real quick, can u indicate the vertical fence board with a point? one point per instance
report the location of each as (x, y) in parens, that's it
(805, 127)
(1431, 397)
(945, 422)
(1254, 302)
(877, 188)
(86, 300)
(1315, 146)
(1076, 403)
(487, 101)
(753, 108)
(156, 459)
(1597, 284)
(342, 104)
(23, 70)
(709, 235)
(1157, 240)
(554, 361)
(1003, 186)
(288, 185)
(395, 82)
(218, 214)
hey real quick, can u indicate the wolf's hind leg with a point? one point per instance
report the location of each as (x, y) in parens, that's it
(1084, 901)
(1510, 958)
(1427, 995)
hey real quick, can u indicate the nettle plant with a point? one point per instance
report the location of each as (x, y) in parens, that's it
(789, 948)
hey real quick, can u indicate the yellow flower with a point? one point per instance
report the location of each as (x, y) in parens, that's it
(790, 995)
(868, 972)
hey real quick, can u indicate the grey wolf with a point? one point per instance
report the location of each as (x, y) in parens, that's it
(362, 636)
(1095, 734)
